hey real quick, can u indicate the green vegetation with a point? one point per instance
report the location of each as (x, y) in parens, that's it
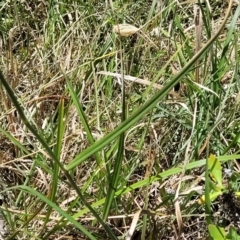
(119, 120)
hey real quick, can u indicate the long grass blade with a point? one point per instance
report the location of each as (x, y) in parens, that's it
(118, 164)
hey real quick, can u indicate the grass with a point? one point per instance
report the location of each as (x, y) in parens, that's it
(88, 155)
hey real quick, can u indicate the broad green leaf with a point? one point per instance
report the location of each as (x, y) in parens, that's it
(216, 232)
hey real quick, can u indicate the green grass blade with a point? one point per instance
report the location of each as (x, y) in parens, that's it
(57, 152)
(14, 140)
(113, 183)
(83, 119)
(58, 209)
(23, 117)
(162, 176)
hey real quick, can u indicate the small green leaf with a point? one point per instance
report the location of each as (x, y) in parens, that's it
(213, 196)
(215, 169)
(237, 194)
(216, 232)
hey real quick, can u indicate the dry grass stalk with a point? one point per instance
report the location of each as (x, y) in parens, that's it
(138, 80)
(198, 31)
